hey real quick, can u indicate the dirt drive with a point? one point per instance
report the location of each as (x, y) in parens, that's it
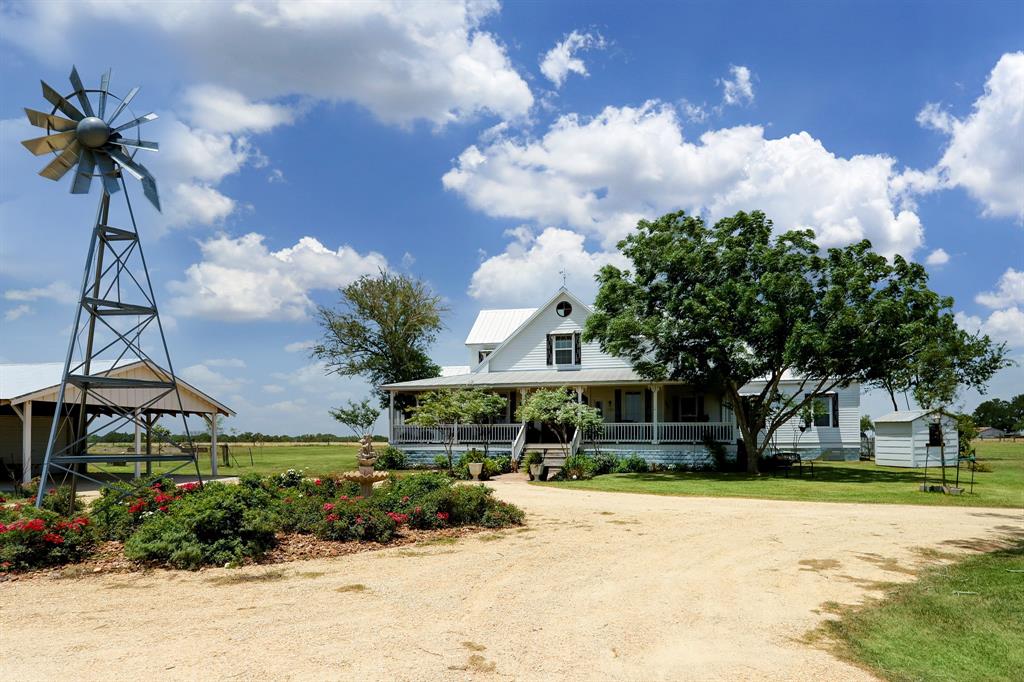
(599, 586)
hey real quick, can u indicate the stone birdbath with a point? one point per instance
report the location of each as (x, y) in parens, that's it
(365, 476)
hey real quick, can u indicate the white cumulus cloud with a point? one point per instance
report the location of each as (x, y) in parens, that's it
(529, 270)
(562, 59)
(18, 311)
(222, 110)
(1009, 291)
(600, 175)
(985, 153)
(937, 257)
(241, 279)
(58, 291)
(404, 61)
(739, 89)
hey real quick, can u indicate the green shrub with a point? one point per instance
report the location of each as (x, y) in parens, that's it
(56, 499)
(533, 457)
(441, 462)
(357, 521)
(579, 467)
(500, 514)
(492, 467)
(35, 538)
(474, 456)
(220, 524)
(717, 452)
(604, 463)
(289, 479)
(634, 464)
(122, 507)
(391, 459)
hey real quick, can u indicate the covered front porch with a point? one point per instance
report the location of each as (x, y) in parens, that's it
(633, 414)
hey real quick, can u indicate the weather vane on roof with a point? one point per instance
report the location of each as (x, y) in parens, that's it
(563, 273)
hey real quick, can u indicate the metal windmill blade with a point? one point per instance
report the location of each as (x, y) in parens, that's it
(117, 303)
(81, 136)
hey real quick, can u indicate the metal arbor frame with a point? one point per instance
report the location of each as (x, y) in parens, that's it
(111, 292)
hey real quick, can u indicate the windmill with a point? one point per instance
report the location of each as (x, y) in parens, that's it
(116, 323)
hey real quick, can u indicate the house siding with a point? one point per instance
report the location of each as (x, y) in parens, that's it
(527, 350)
(842, 442)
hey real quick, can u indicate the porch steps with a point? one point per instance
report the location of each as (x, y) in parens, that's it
(553, 456)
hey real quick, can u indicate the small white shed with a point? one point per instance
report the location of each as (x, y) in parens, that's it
(901, 439)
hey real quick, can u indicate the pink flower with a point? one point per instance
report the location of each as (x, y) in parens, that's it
(54, 538)
(359, 519)
(332, 517)
(344, 498)
(442, 516)
(328, 506)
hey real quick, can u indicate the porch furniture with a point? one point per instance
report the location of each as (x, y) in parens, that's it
(786, 460)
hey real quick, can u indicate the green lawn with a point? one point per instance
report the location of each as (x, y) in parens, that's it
(1003, 486)
(316, 460)
(958, 623)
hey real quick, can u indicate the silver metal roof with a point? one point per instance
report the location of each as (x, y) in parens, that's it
(454, 370)
(494, 326)
(22, 379)
(540, 377)
(903, 416)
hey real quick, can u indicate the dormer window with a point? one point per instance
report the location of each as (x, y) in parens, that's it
(564, 349)
(482, 355)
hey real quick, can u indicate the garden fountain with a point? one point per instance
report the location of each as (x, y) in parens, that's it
(366, 476)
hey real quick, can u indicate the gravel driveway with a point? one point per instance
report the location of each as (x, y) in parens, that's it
(598, 586)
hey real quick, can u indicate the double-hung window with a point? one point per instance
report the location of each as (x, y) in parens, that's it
(823, 410)
(563, 346)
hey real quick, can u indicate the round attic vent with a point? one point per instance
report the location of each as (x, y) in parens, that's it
(564, 309)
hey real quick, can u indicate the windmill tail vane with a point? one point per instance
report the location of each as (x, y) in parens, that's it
(83, 132)
(111, 379)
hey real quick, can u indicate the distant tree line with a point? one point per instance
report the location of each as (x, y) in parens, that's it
(1005, 415)
(242, 437)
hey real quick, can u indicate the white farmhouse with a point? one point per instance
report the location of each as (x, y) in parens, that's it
(514, 351)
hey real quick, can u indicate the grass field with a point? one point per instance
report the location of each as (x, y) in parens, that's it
(1003, 486)
(960, 622)
(315, 460)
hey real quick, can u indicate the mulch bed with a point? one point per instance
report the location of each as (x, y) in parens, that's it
(109, 555)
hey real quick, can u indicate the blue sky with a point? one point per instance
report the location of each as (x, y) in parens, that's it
(485, 147)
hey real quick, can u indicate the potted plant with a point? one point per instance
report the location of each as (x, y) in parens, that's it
(475, 463)
(535, 464)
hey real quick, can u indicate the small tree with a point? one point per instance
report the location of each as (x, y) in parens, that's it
(437, 409)
(360, 417)
(557, 408)
(866, 424)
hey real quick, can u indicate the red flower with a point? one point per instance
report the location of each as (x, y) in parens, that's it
(399, 518)
(138, 506)
(3, 529)
(36, 525)
(328, 506)
(316, 481)
(332, 517)
(54, 538)
(163, 509)
(2, 499)
(442, 516)
(188, 487)
(344, 498)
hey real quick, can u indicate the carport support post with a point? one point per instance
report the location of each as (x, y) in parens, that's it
(26, 442)
(138, 444)
(213, 444)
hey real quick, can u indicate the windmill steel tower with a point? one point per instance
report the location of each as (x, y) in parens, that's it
(116, 321)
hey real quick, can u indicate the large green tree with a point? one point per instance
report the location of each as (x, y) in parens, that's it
(725, 305)
(1007, 415)
(381, 330)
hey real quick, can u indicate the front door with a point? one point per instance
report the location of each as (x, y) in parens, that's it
(633, 406)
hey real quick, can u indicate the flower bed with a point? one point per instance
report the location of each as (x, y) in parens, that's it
(189, 526)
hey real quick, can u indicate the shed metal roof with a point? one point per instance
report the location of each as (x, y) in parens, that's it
(903, 416)
(26, 381)
(494, 326)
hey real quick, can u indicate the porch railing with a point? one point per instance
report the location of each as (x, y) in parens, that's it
(665, 432)
(458, 433)
(611, 432)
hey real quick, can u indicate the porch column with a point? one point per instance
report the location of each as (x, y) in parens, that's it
(138, 443)
(579, 394)
(456, 434)
(655, 391)
(391, 416)
(522, 400)
(213, 444)
(26, 442)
